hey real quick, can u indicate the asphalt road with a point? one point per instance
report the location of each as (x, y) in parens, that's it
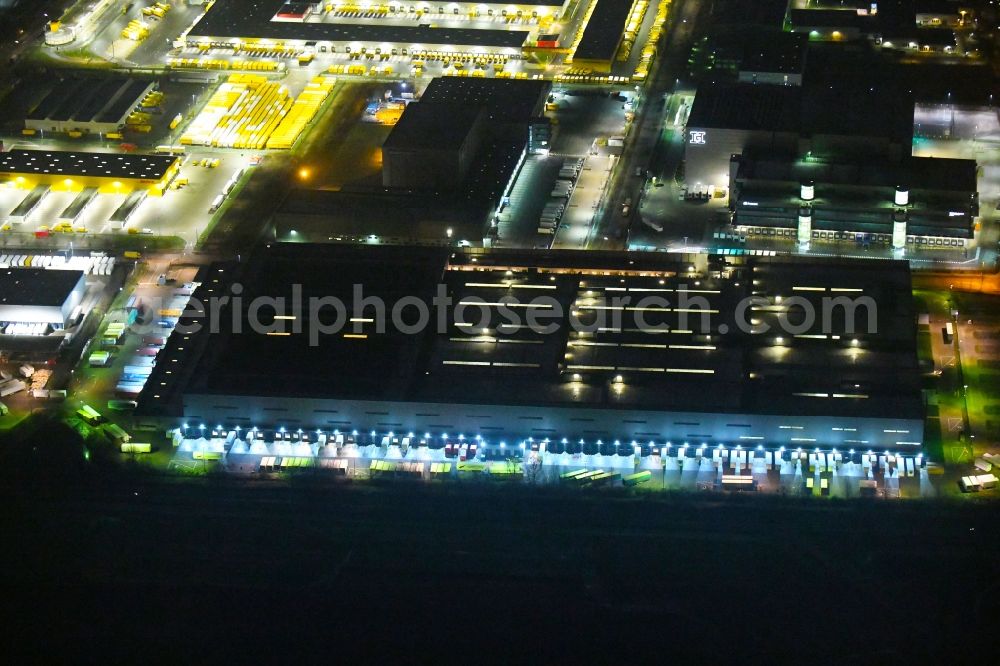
(642, 144)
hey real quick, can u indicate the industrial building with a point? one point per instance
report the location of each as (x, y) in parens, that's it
(438, 139)
(460, 27)
(88, 105)
(916, 201)
(34, 301)
(831, 121)
(909, 25)
(727, 119)
(602, 37)
(75, 171)
(446, 167)
(614, 364)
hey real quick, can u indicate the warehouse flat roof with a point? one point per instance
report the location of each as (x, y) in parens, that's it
(87, 98)
(248, 19)
(426, 125)
(507, 100)
(75, 163)
(774, 51)
(915, 173)
(36, 286)
(746, 106)
(683, 369)
(604, 30)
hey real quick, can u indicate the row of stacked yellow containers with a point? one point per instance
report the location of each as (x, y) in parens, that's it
(219, 63)
(632, 26)
(242, 113)
(306, 105)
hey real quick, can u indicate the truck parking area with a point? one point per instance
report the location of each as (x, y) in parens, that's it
(366, 455)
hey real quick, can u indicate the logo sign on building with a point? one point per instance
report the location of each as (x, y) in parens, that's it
(697, 138)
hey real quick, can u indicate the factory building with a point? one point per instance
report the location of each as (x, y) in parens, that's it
(613, 364)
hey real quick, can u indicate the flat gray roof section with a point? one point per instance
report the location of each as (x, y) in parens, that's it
(507, 100)
(915, 173)
(746, 106)
(37, 286)
(97, 165)
(245, 19)
(819, 372)
(604, 30)
(424, 126)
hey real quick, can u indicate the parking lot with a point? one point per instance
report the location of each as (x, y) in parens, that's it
(157, 303)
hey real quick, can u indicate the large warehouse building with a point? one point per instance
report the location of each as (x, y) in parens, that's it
(446, 167)
(827, 162)
(438, 139)
(461, 27)
(38, 298)
(74, 171)
(922, 201)
(682, 368)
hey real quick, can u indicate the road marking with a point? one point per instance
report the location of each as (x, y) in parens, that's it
(954, 424)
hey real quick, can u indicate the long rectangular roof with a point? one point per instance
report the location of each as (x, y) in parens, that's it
(78, 163)
(604, 30)
(915, 173)
(248, 19)
(728, 370)
(746, 106)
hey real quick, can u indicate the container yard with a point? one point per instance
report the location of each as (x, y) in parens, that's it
(249, 111)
